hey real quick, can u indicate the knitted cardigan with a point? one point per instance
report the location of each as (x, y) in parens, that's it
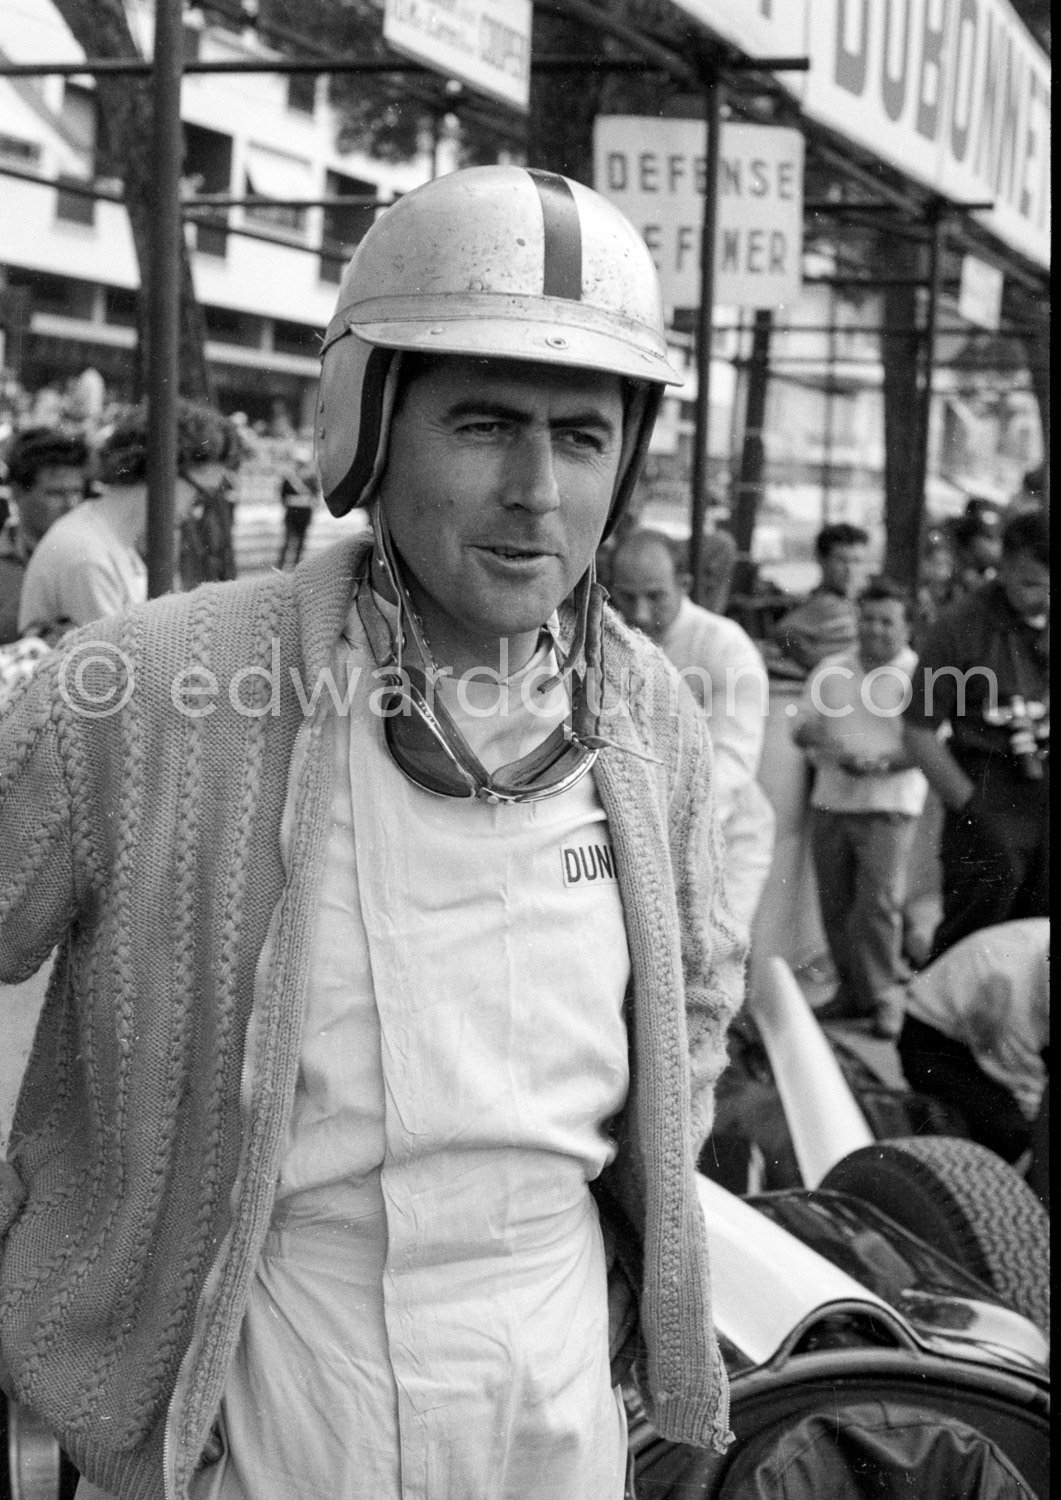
(143, 775)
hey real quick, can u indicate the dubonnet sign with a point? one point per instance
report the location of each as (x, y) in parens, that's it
(654, 171)
(485, 43)
(955, 93)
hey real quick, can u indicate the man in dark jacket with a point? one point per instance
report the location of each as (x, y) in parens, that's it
(985, 673)
(826, 623)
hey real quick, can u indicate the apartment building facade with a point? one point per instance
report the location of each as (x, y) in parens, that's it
(265, 273)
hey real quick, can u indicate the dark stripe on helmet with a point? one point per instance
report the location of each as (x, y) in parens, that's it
(563, 237)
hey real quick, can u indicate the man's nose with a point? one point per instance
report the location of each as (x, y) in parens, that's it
(530, 479)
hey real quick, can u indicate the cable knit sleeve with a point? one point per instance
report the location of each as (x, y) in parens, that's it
(37, 824)
(714, 942)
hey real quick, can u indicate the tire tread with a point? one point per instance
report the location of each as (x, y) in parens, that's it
(978, 1210)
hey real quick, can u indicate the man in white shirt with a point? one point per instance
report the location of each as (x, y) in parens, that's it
(977, 1031)
(47, 474)
(866, 801)
(723, 669)
(88, 566)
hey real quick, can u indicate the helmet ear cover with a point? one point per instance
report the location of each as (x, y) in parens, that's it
(641, 404)
(363, 380)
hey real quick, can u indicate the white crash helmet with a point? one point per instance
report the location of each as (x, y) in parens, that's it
(498, 262)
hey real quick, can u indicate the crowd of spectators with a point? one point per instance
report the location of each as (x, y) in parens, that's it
(70, 444)
(945, 691)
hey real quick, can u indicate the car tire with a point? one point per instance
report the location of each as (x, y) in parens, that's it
(967, 1202)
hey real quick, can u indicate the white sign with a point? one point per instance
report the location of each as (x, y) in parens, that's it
(484, 43)
(955, 93)
(654, 171)
(980, 293)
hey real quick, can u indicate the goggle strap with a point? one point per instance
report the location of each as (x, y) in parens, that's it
(380, 638)
(430, 707)
(446, 728)
(433, 711)
(383, 556)
(573, 662)
(584, 720)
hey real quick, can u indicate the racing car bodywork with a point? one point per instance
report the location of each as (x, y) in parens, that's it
(862, 1363)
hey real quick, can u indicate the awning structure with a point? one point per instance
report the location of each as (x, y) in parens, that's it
(271, 174)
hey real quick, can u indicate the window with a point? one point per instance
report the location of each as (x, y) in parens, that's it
(17, 152)
(14, 312)
(77, 125)
(345, 225)
(61, 296)
(74, 206)
(297, 338)
(302, 93)
(270, 174)
(207, 168)
(120, 306)
(226, 325)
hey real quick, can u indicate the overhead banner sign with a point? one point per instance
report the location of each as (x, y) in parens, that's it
(484, 43)
(955, 93)
(654, 171)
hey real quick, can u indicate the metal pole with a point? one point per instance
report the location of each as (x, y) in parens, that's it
(935, 262)
(111, 67)
(749, 489)
(163, 313)
(698, 502)
(830, 399)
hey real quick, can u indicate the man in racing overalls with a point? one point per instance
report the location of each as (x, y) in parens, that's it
(356, 1153)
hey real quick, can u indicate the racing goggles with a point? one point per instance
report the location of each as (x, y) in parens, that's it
(425, 742)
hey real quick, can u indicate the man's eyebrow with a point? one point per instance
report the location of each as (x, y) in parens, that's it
(487, 406)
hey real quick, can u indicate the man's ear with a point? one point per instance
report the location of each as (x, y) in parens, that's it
(685, 582)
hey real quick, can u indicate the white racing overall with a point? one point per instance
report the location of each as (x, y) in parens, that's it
(429, 1319)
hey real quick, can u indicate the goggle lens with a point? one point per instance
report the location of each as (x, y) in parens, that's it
(420, 748)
